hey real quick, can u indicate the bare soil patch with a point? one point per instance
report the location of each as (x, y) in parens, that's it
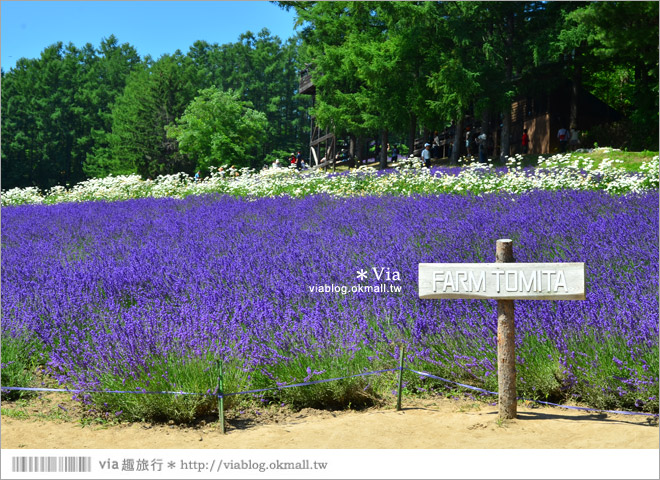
(53, 421)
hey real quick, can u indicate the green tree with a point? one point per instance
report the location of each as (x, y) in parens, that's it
(364, 65)
(44, 95)
(263, 71)
(458, 80)
(104, 82)
(154, 97)
(80, 112)
(54, 109)
(20, 151)
(218, 128)
(492, 52)
(617, 44)
(392, 64)
(330, 35)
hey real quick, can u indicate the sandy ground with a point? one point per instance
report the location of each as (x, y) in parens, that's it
(428, 424)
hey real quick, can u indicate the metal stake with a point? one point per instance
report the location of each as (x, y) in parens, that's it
(221, 399)
(398, 400)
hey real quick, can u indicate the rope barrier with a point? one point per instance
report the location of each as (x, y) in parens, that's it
(259, 390)
(424, 374)
(586, 409)
(316, 382)
(570, 407)
(313, 383)
(67, 390)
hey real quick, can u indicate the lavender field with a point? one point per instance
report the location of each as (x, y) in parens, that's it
(152, 293)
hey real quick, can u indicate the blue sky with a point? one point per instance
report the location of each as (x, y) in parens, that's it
(152, 27)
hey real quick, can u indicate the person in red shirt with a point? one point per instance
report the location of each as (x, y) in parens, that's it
(562, 136)
(525, 142)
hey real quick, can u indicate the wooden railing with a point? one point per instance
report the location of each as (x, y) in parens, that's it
(306, 86)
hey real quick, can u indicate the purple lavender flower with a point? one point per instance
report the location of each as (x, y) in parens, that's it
(109, 287)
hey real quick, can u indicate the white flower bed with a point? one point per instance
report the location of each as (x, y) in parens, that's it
(555, 173)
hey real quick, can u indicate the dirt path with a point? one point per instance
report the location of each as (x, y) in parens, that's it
(429, 424)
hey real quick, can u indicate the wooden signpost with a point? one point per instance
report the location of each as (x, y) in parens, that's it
(505, 281)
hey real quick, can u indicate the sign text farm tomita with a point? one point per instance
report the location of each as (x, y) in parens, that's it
(505, 281)
(531, 281)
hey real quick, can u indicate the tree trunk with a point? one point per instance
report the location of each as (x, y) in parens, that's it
(411, 133)
(360, 149)
(351, 151)
(485, 121)
(458, 141)
(643, 111)
(575, 89)
(383, 149)
(426, 137)
(506, 113)
(506, 134)
(485, 128)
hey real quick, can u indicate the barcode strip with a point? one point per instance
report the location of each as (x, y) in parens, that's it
(51, 464)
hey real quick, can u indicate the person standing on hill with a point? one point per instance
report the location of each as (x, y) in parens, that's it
(299, 161)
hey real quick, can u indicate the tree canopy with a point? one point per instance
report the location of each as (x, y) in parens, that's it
(394, 70)
(218, 128)
(75, 113)
(376, 63)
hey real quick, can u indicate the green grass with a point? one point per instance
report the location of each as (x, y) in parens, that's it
(540, 377)
(14, 413)
(601, 366)
(605, 362)
(20, 358)
(174, 374)
(630, 161)
(597, 358)
(355, 392)
(201, 376)
(601, 362)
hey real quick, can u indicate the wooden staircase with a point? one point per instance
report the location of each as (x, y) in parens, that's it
(322, 142)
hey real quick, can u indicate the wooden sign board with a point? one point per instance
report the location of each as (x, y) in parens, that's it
(502, 281)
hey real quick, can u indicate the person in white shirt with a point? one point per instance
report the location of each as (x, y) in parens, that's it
(482, 141)
(574, 141)
(426, 155)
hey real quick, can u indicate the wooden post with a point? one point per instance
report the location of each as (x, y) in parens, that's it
(506, 283)
(506, 346)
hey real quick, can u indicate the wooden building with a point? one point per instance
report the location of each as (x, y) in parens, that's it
(544, 114)
(322, 143)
